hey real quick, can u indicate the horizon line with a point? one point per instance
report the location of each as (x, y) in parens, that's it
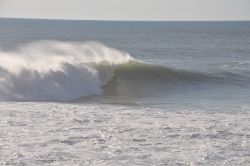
(122, 20)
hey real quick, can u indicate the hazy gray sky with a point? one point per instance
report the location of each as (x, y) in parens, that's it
(128, 9)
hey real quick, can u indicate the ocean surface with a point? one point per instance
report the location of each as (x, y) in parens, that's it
(124, 93)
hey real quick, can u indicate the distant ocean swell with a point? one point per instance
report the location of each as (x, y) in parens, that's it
(64, 71)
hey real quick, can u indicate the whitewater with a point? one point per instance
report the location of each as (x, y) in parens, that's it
(56, 71)
(124, 93)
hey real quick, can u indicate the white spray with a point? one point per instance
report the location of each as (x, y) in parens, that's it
(55, 71)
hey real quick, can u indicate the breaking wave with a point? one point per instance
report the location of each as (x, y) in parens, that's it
(55, 71)
(64, 71)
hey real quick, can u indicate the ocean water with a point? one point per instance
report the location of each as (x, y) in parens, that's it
(124, 93)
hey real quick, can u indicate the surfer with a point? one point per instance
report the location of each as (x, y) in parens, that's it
(111, 85)
(114, 80)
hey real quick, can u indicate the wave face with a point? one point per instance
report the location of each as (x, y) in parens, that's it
(137, 78)
(55, 71)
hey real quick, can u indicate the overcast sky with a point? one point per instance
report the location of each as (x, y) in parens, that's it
(127, 9)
